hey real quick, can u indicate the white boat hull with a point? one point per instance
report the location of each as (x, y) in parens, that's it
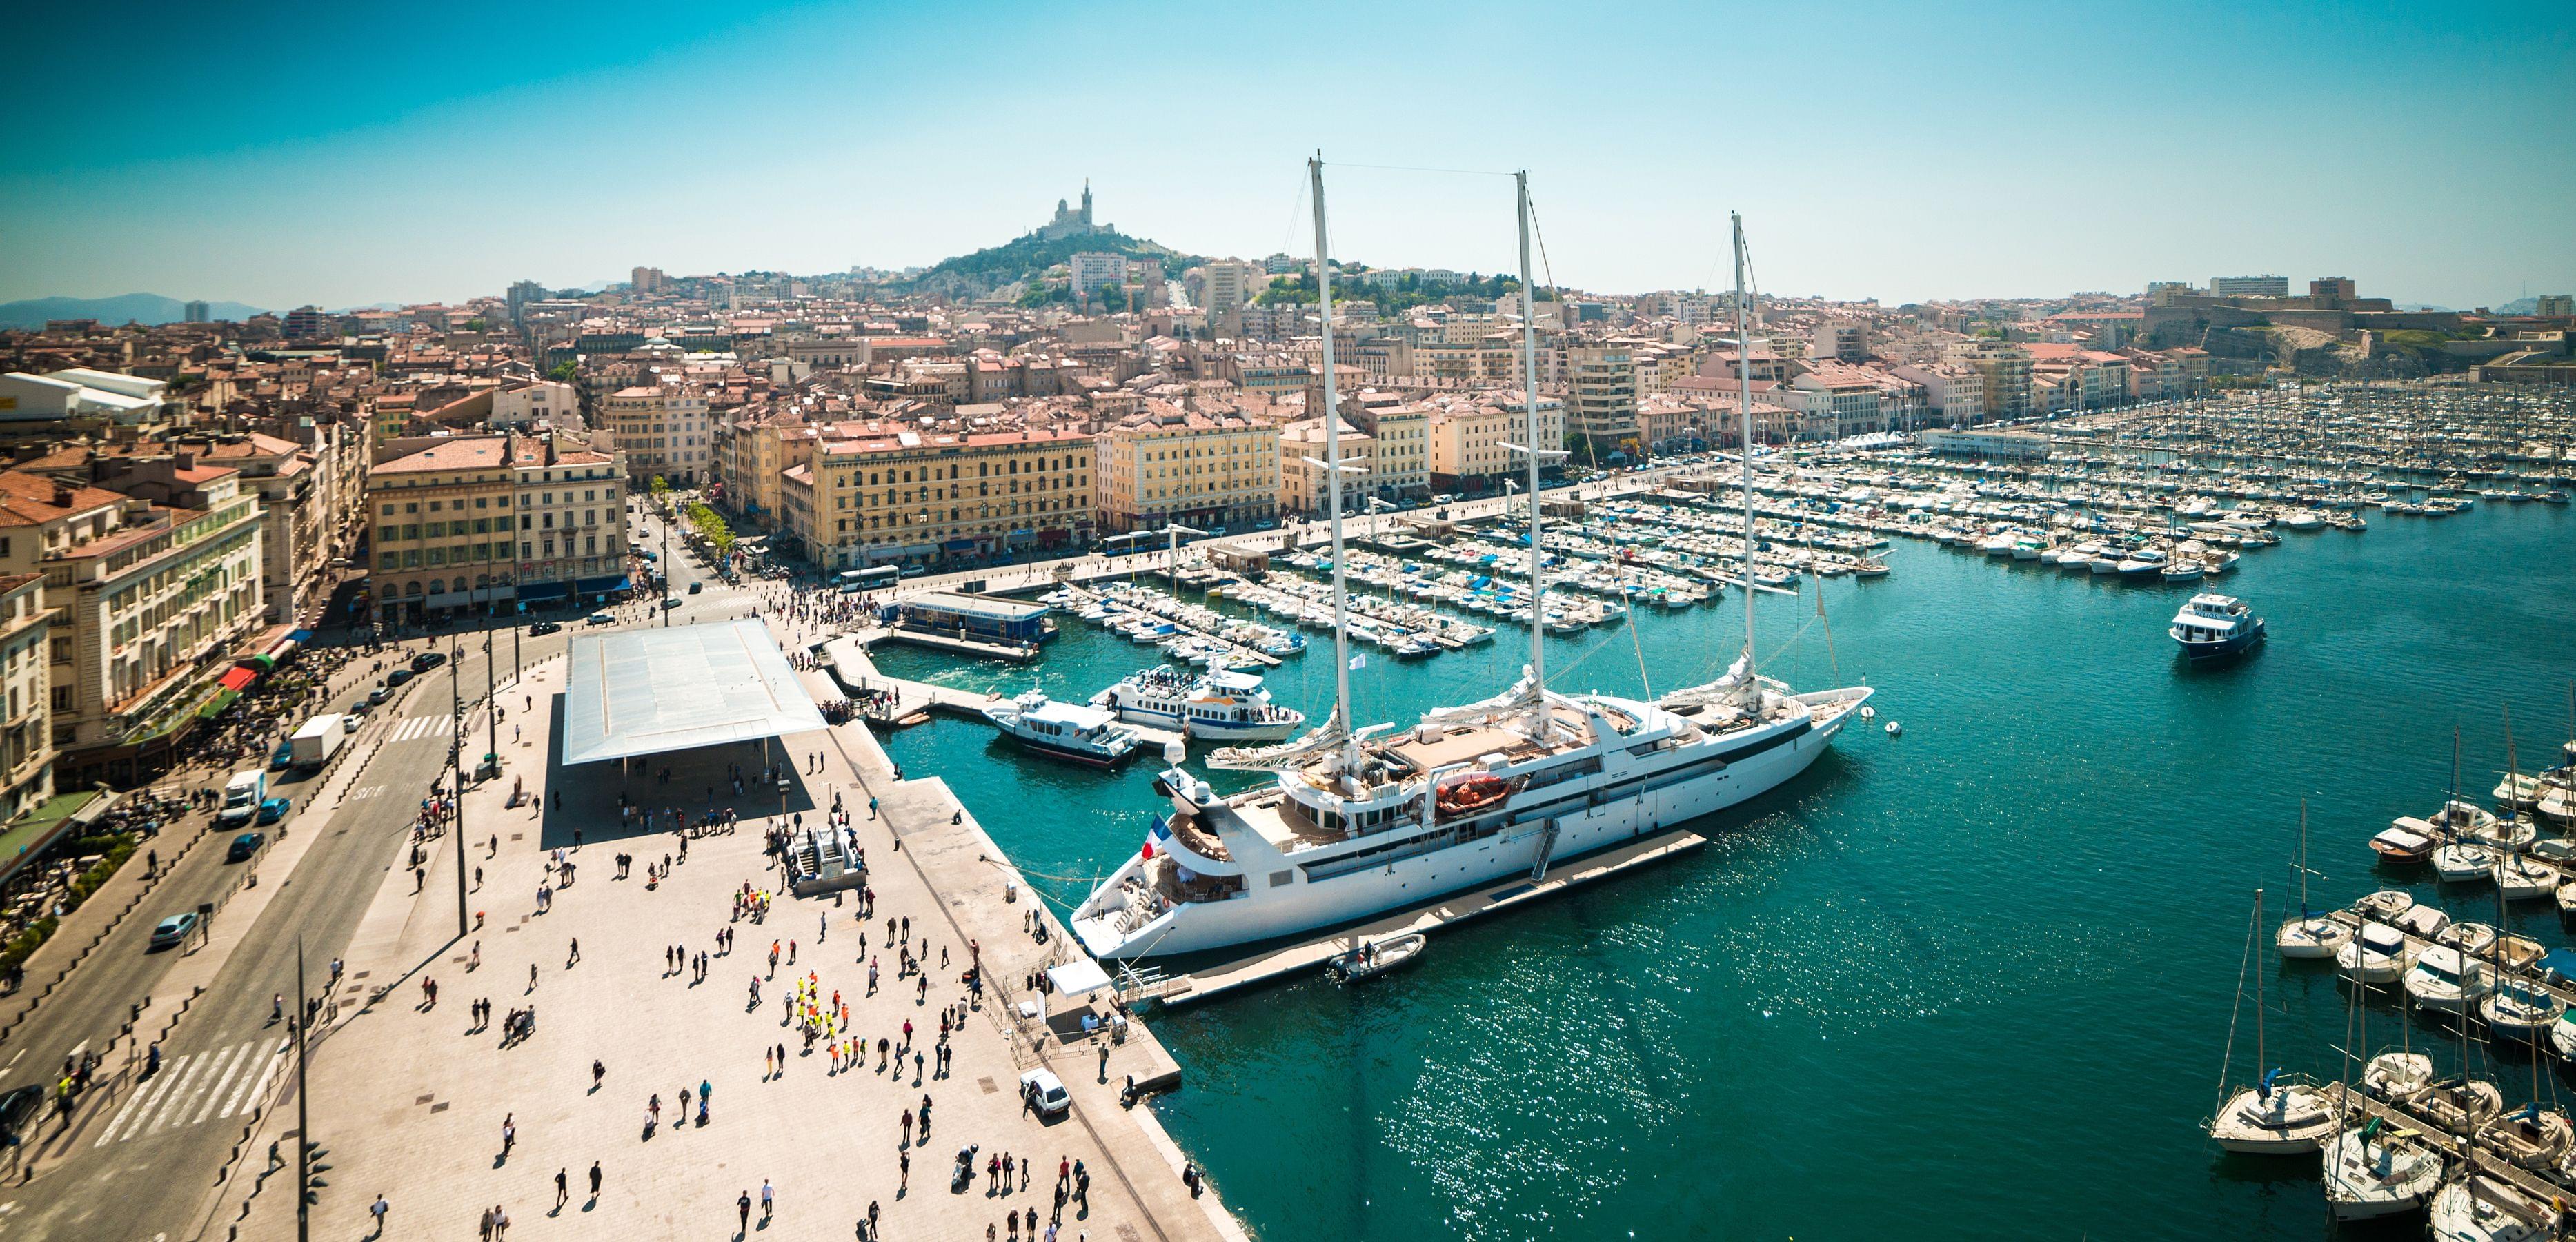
(1267, 912)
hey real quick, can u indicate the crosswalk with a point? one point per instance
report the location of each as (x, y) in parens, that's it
(196, 1087)
(411, 727)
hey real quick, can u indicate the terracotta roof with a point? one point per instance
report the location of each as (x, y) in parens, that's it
(461, 454)
(27, 499)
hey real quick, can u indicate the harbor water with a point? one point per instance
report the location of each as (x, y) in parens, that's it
(1974, 980)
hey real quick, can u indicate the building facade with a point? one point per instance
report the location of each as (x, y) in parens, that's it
(1165, 464)
(662, 432)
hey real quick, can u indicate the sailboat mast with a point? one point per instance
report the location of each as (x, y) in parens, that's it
(1744, 395)
(1529, 405)
(1332, 458)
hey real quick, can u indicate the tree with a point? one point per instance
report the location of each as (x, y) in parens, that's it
(475, 324)
(1113, 297)
(567, 370)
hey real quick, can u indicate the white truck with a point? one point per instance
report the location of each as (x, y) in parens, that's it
(312, 745)
(242, 796)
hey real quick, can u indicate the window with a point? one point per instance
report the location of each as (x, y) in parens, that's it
(62, 651)
(62, 698)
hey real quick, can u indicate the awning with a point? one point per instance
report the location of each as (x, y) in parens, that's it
(255, 664)
(1077, 977)
(238, 679)
(959, 545)
(591, 586)
(222, 700)
(302, 636)
(543, 590)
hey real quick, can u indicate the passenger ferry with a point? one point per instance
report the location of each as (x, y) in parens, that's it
(1217, 707)
(1065, 730)
(2211, 626)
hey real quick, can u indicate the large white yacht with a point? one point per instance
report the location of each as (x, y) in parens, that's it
(1219, 706)
(1356, 822)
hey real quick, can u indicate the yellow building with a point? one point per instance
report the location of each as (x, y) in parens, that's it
(873, 493)
(1164, 464)
(1302, 475)
(481, 522)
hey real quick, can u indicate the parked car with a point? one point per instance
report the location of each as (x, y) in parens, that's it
(542, 628)
(1048, 1090)
(275, 809)
(245, 845)
(601, 618)
(19, 1110)
(428, 660)
(397, 677)
(173, 929)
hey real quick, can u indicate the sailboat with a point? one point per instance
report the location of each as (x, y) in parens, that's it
(1357, 821)
(2284, 1114)
(2310, 935)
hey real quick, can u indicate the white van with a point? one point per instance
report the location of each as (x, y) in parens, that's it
(242, 795)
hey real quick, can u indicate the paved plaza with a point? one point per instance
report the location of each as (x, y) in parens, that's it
(445, 1116)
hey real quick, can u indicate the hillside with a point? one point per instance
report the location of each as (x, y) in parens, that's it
(150, 308)
(1024, 258)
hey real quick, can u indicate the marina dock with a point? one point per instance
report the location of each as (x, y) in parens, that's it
(913, 701)
(1274, 965)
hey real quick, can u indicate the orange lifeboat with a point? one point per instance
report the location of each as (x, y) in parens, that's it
(1471, 794)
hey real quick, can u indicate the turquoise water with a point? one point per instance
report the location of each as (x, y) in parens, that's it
(1973, 981)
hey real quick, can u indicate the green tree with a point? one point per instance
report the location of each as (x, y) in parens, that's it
(567, 370)
(475, 324)
(1113, 298)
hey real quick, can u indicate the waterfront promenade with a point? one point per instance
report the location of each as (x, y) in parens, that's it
(412, 1098)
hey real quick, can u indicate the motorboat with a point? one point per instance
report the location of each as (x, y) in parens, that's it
(2482, 1208)
(2384, 905)
(2284, 1116)
(2458, 1104)
(2142, 563)
(2406, 843)
(2214, 625)
(1214, 706)
(2471, 939)
(2380, 954)
(2521, 1010)
(2182, 571)
(2442, 981)
(2374, 1169)
(1371, 959)
(1064, 730)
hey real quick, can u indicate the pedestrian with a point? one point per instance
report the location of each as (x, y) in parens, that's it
(742, 1208)
(768, 1199)
(509, 1133)
(378, 1209)
(532, 975)
(594, 1179)
(563, 1188)
(485, 1229)
(576, 953)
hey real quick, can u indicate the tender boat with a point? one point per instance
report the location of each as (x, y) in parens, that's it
(2384, 905)
(2316, 936)
(1370, 960)
(2375, 1169)
(2406, 843)
(1065, 730)
(2285, 1116)
(2525, 879)
(1215, 706)
(2398, 1077)
(2213, 625)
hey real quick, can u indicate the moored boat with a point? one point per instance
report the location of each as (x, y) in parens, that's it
(1371, 959)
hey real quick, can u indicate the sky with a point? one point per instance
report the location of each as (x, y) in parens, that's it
(350, 154)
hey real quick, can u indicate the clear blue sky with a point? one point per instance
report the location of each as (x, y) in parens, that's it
(344, 154)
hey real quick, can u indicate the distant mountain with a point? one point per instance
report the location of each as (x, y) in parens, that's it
(1023, 258)
(2419, 306)
(2520, 306)
(126, 308)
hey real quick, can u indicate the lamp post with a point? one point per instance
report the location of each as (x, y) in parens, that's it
(455, 766)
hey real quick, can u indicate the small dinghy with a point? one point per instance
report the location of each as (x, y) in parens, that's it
(1371, 960)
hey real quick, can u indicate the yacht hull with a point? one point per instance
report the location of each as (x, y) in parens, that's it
(1271, 912)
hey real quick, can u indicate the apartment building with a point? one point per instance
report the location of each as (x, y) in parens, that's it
(1845, 396)
(442, 511)
(1399, 433)
(1090, 269)
(663, 432)
(2003, 373)
(26, 746)
(1467, 436)
(1166, 464)
(298, 519)
(141, 596)
(874, 492)
(535, 405)
(756, 455)
(571, 511)
(1602, 405)
(1302, 477)
(1954, 395)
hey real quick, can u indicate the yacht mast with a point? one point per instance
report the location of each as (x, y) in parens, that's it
(1332, 462)
(1529, 405)
(1744, 393)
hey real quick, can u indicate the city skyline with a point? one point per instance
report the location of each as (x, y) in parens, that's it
(2022, 153)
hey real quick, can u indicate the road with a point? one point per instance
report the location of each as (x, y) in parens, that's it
(138, 1158)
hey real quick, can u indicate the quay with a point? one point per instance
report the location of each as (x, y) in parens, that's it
(1275, 965)
(913, 701)
(2493, 1162)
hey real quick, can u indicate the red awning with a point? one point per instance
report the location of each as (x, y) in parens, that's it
(238, 679)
